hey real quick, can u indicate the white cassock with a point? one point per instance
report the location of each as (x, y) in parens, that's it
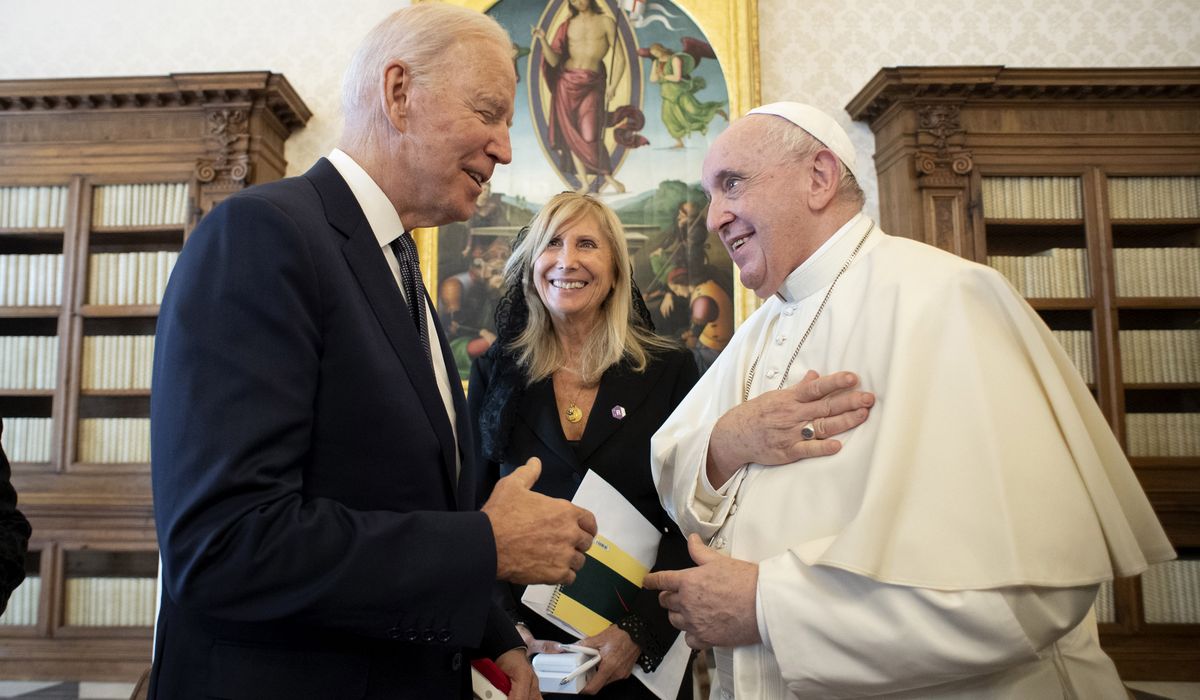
(954, 546)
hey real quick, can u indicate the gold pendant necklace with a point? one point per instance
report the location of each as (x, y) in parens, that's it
(573, 412)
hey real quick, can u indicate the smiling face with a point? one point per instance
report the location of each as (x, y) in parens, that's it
(757, 204)
(456, 134)
(575, 272)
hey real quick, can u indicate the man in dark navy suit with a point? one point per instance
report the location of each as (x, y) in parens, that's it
(315, 522)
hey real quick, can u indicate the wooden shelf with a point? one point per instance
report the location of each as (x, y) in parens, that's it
(1066, 304)
(1157, 302)
(114, 392)
(1032, 225)
(115, 311)
(29, 311)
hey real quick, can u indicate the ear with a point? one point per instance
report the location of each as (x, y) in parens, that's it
(826, 173)
(397, 86)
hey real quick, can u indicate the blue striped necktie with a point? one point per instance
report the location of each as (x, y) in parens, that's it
(410, 277)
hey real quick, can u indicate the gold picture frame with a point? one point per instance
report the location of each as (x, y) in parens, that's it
(728, 32)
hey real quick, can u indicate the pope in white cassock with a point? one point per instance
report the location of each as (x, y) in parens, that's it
(951, 543)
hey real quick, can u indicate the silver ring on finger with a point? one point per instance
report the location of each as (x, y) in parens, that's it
(808, 431)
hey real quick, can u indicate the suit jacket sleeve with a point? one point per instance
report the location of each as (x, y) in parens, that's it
(14, 533)
(268, 509)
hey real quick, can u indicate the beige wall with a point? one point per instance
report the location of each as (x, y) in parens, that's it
(819, 52)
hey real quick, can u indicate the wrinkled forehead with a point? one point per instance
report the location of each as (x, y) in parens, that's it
(741, 147)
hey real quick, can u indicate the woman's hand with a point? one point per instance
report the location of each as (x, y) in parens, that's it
(618, 653)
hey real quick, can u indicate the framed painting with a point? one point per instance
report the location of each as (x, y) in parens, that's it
(661, 78)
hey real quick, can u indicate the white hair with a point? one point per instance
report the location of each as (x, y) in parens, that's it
(425, 37)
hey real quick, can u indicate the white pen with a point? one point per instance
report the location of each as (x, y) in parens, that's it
(582, 668)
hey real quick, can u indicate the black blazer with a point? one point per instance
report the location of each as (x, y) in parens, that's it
(618, 449)
(315, 541)
(14, 533)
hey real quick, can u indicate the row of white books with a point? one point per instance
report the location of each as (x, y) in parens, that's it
(28, 439)
(114, 440)
(1154, 197)
(33, 207)
(1162, 434)
(1031, 198)
(129, 278)
(28, 361)
(1078, 345)
(157, 204)
(96, 601)
(23, 603)
(1157, 272)
(1160, 356)
(1171, 592)
(31, 280)
(117, 361)
(1056, 273)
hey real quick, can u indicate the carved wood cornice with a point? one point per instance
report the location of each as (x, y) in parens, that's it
(177, 90)
(996, 83)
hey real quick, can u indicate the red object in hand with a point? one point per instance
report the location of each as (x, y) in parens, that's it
(705, 309)
(493, 674)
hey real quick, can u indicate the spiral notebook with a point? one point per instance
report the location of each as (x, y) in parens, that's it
(616, 564)
(602, 591)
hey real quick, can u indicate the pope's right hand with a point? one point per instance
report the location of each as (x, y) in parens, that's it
(539, 539)
(768, 428)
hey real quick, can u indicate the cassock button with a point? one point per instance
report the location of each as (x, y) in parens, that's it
(719, 543)
(410, 635)
(444, 636)
(395, 633)
(789, 311)
(428, 636)
(456, 661)
(771, 373)
(780, 339)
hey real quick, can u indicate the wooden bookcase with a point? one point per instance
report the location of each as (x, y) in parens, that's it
(101, 180)
(1083, 187)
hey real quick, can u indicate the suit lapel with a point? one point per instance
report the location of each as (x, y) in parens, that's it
(619, 387)
(366, 261)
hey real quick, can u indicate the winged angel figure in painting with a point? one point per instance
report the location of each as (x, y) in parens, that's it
(682, 112)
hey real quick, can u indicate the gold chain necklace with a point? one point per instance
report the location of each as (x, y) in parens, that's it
(573, 412)
(796, 352)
